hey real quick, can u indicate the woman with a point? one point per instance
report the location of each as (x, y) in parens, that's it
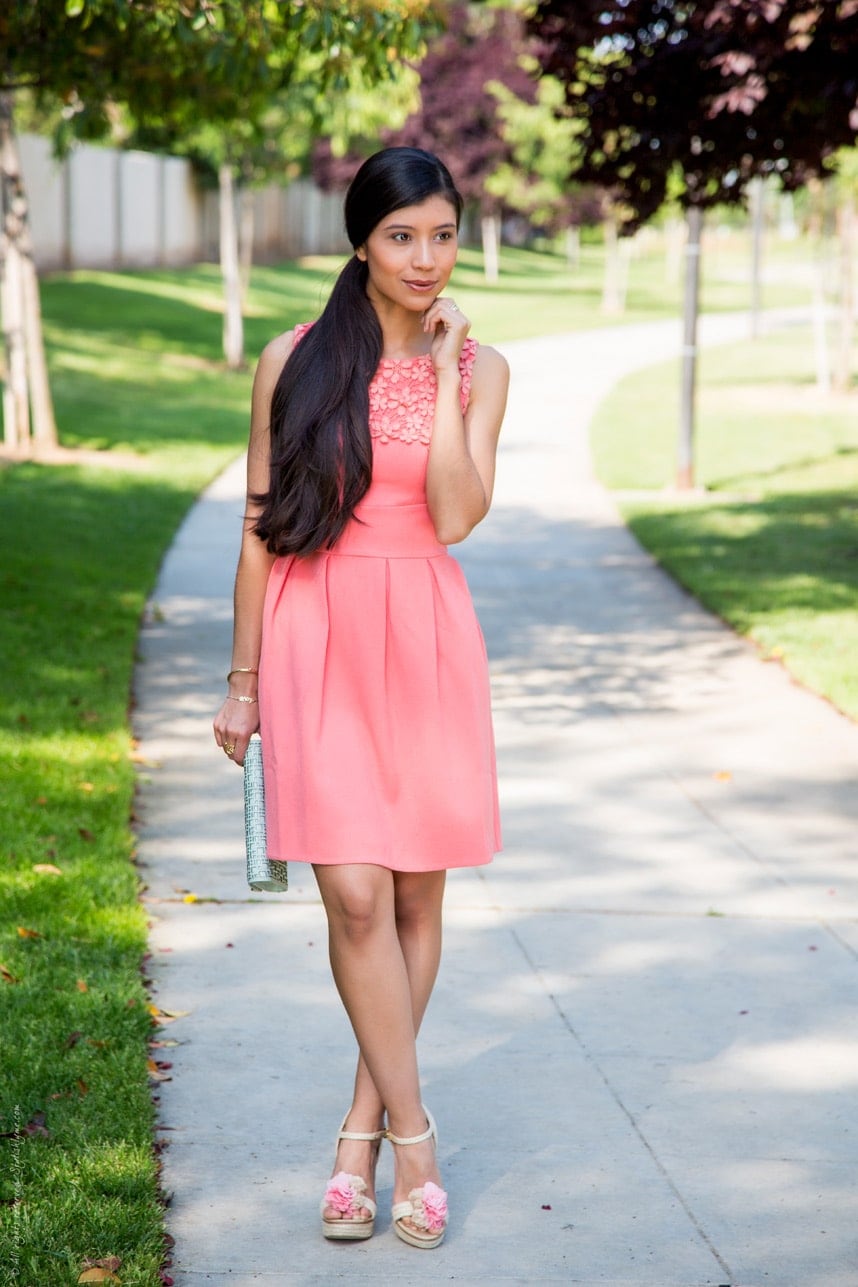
(372, 446)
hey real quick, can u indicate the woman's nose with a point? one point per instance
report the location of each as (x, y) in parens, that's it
(423, 254)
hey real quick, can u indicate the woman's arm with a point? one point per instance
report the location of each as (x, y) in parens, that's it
(237, 720)
(461, 471)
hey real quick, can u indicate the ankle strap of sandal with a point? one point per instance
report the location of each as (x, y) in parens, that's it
(431, 1132)
(370, 1136)
(413, 1139)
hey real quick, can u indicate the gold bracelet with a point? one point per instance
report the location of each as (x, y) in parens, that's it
(242, 670)
(230, 698)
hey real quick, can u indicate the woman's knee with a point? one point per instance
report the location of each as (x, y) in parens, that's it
(418, 900)
(358, 902)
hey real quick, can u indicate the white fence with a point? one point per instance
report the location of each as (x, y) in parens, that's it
(104, 208)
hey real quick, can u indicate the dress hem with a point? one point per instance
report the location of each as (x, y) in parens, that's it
(378, 862)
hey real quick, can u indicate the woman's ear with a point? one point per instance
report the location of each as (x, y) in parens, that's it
(360, 254)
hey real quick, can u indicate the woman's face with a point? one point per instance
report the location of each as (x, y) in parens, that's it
(410, 255)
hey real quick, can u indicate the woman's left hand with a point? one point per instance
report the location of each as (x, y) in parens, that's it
(449, 326)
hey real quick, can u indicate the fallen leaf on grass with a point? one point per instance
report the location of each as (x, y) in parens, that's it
(35, 1126)
(111, 1263)
(7, 976)
(159, 1045)
(85, 833)
(98, 1276)
(82, 1087)
(82, 985)
(47, 869)
(23, 932)
(85, 786)
(155, 1073)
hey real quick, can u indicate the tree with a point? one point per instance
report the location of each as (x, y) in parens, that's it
(715, 91)
(845, 181)
(458, 116)
(171, 63)
(534, 178)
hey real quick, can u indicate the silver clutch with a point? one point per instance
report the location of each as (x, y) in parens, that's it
(263, 874)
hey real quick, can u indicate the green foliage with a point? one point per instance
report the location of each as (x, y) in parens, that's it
(176, 63)
(542, 139)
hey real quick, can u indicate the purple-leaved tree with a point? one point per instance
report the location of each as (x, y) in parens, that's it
(716, 92)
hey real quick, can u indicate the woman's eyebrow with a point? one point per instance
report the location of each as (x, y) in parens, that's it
(410, 227)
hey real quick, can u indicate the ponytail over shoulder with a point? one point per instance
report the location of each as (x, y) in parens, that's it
(321, 451)
(321, 448)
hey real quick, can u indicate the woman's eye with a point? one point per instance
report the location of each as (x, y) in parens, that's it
(400, 236)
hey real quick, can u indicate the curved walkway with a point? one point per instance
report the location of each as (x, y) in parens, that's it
(643, 1049)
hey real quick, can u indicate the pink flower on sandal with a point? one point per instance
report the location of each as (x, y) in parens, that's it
(434, 1207)
(342, 1192)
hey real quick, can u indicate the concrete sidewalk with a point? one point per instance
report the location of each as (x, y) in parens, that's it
(643, 1050)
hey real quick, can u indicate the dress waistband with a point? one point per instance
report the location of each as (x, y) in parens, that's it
(390, 532)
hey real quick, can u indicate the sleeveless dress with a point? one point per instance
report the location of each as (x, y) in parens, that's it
(373, 679)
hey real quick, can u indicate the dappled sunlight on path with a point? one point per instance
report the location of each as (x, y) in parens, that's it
(643, 1049)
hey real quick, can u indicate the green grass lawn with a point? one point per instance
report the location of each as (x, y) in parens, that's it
(137, 375)
(773, 546)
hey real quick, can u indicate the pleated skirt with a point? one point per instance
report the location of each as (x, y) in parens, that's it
(374, 703)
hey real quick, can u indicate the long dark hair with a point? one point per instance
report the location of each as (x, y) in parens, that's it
(321, 451)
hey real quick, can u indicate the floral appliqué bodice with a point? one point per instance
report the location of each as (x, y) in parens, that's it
(402, 396)
(403, 391)
(401, 412)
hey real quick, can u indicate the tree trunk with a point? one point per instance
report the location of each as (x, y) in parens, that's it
(45, 433)
(490, 229)
(573, 246)
(26, 372)
(233, 327)
(674, 241)
(757, 227)
(246, 229)
(613, 294)
(846, 228)
(685, 447)
(819, 313)
(822, 359)
(16, 407)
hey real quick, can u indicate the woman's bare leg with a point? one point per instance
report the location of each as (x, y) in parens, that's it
(384, 939)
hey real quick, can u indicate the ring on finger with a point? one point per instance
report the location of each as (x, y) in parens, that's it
(229, 747)
(454, 307)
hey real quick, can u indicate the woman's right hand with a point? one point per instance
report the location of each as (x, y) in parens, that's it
(234, 725)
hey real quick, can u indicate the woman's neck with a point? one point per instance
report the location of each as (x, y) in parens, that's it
(402, 332)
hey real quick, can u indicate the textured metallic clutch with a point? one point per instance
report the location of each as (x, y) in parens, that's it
(263, 875)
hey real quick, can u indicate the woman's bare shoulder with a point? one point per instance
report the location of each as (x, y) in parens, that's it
(490, 365)
(272, 359)
(277, 350)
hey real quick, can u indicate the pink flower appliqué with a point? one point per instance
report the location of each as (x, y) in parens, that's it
(434, 1207)
(340, 1193)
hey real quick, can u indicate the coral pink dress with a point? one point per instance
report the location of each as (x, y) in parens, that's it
(373, 680)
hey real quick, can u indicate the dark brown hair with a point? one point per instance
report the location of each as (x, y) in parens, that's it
(321, 451)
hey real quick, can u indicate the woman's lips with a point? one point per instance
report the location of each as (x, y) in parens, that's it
(422, 287)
